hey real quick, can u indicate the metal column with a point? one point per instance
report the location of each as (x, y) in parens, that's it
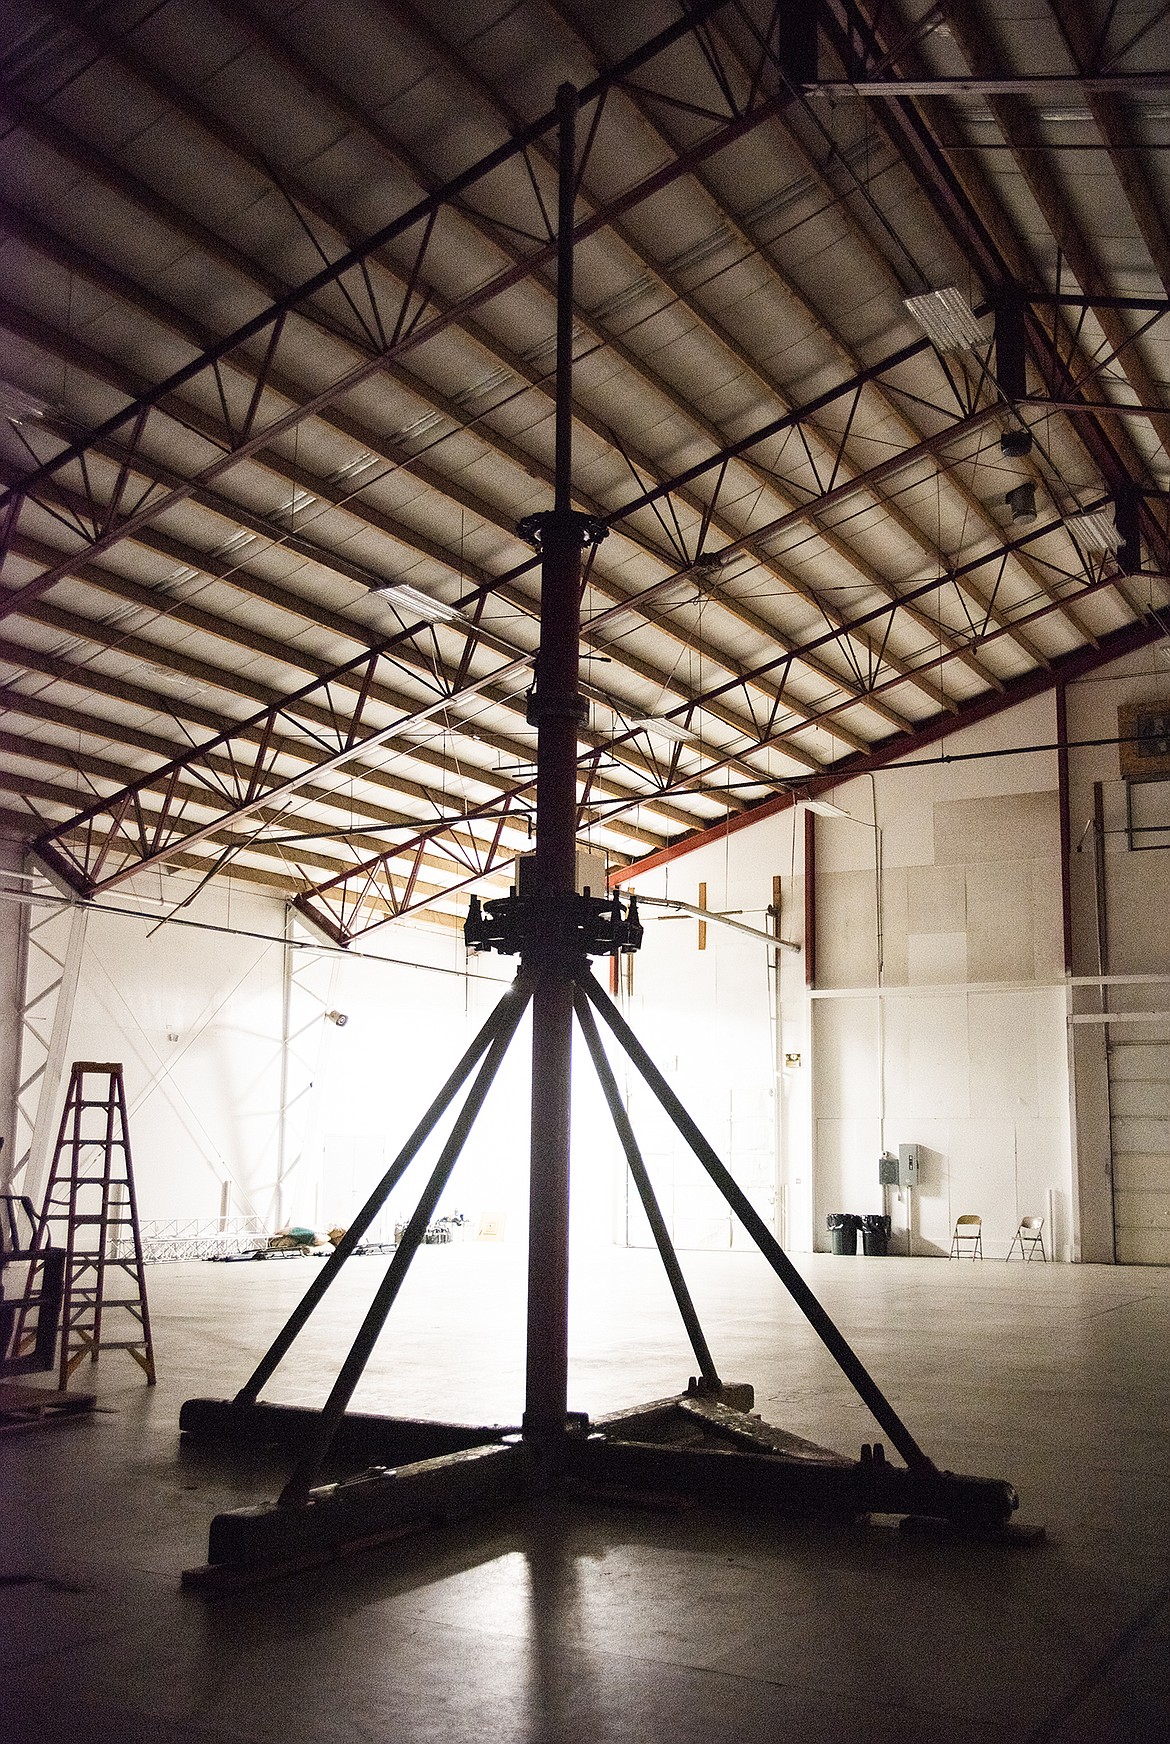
(557, 707)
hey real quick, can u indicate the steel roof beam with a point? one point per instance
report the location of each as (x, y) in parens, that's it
(331, 903)
(967, 206)
(86, 358)
(205, 241)
(412, 330)
(1019, 129)
(831, 449)
(1121, 142)
(1064, 670)
(318, 85)
(193, 418)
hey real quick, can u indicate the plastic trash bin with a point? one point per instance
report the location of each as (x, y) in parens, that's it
(875, 1234)
(843, 1227)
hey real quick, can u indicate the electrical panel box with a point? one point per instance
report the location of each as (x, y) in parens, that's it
(899, 1171)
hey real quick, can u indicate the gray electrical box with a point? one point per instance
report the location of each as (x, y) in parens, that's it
(899, 1171)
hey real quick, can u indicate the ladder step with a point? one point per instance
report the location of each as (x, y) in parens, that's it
(116, 1344)
(90, 1296)
(93, 1217)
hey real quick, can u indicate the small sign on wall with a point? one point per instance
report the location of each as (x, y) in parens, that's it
(1143, 730)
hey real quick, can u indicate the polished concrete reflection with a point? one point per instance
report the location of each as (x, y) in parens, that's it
(584, 1623)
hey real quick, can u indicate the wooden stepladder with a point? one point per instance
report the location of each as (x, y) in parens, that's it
(90, 1210)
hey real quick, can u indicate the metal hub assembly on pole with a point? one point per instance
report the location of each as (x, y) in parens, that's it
(703, 1445)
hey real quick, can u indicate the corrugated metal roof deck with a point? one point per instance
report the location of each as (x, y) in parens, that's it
(241, 391)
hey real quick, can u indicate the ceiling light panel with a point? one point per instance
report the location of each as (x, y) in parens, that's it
(672, 730)
(947, 319)
(411, 599)
(1095, 531)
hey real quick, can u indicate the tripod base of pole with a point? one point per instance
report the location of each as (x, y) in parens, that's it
(693, 1450)
(361, 1437)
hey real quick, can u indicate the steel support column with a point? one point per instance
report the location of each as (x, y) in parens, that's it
(557, 707)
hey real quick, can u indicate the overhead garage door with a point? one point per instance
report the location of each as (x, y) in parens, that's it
(1139, 1100)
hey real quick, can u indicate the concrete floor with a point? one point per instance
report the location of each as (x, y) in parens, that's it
(584, 1623)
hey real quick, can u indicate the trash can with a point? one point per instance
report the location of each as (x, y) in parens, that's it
(875, 1234)
(842, 1227)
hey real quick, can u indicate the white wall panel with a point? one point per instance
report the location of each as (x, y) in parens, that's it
(981, 1177)
(847, 949)
(846, 1176)
(936, 899)
(1001, 921)
(933, 959)
(970, 895)
(1002, 1050)
(995, 828)
(930, 1032)
(846, 1044)
(1042, 1170)
(195, 1020)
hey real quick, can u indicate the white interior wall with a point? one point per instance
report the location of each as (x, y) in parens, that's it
(940, 1007)
(1121, 1045)
(721, 1022)
(193, 1017)
(246, 1100)
(955, 1038)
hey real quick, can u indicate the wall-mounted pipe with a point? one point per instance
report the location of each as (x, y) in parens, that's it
(711, 914)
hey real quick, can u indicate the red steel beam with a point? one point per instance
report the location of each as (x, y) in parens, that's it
(1063, 671)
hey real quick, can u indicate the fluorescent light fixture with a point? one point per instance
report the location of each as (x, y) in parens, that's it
(826, 808)
(361, 463)
(665, 729)
(1095, 531)
(497, 378)
(947, 319)
(18, 405)
(411, 599)
(179, 578)
(420, 426)
(235, 543)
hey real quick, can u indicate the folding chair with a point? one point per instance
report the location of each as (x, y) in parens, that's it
(968, 1228)
(1030, 1237)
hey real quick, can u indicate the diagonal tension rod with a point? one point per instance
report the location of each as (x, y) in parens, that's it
(821, 1322)
(506, 1014)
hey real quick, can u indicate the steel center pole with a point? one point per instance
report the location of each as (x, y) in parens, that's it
(557, 707)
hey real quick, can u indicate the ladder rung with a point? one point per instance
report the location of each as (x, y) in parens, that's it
(133, 1303)
(111, 1222)
(118, 1344)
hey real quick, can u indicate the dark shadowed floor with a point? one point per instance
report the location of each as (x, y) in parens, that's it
(586, 1623)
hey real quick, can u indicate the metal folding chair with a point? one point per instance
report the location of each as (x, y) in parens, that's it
(1030, 1237)
(968, 1228)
